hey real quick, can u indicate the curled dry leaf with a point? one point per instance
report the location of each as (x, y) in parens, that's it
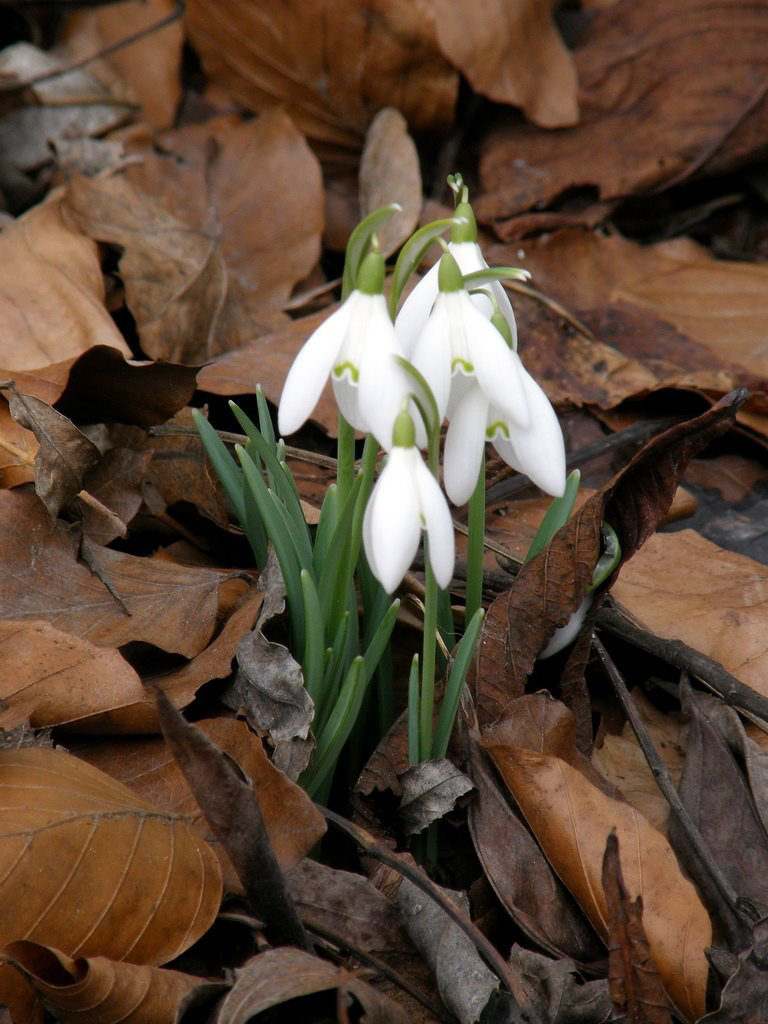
(464, 981)
(552, 585)
(332, 73)
(64, 456)
(745, 995)
(389, 173)
(96, 990)
(558, 991)
(572, 820)
(431, 790)
(512, 54)
(637, 991)
(52, 292)
(683, 93)
(103, 872)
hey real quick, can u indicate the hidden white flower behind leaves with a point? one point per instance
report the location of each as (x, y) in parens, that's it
(406, 500)
(355, 346)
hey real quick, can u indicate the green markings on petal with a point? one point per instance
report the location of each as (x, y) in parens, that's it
(497, 429)
(348, 368)
(462, 364)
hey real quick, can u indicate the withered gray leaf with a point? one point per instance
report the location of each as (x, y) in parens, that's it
(558, 993)
(430, 791)
(745, 996)
(463, 980)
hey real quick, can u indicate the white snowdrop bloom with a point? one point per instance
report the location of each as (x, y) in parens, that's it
(459, 347)
(355, 347)
(406, 500)
(411, 319)
(566, 634)
(536, 449)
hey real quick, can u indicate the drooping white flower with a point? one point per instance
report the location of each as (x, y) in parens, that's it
(413, 315)
(355, 347)
(459, 348)
(406, 500)
(536, 449)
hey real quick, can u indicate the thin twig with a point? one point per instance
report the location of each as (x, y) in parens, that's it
(14, 85)
(546, 300)
(711, 879)
(613, 618)
(486, 949)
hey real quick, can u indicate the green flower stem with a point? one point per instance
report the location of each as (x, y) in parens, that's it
(345, 467)
(475, 547)
(428, 660)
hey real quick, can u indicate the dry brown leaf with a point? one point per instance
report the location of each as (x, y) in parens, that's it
(54, 678)
(51, 294)
(512, 53)
(148, 71)
(103, 872)
(331, 68)
(214, 234)
(171, 606)
(572, 820)
(682, 90)
(18, 448)
(115, 483)
(97, 990)
(147, 767)
(682, 586)
(389, 173)
(637, 992)
(720, 304)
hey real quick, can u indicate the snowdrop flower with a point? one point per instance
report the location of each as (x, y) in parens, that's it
(459, 348)
(405, 500)
(536, 449)
(355, 346)
(418, 305)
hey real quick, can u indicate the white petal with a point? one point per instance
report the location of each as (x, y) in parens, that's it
(439, 526)
(538, 451)
(410, 321)
(395, 524)
(347, 395)
(309, 372)
(497, 368)
(465, 445)
(470, 259)
(383, 384)
(432, 355)
(567, 634)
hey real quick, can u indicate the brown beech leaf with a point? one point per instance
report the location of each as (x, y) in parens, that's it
(235, 237)
(637, 991)
(171, 606)
(53, 678)
(115, 482)
(283, 975)
(519, 873)
(97, 990)
(147, 766)
(512, 54)
(683, 587)
(389, 173)
(64, 456)
(431, 790)
(233, 810)
(718, 304)
(52, 292)
(745, 995)
(103, 872)
(18, 449)
(333, 72)
(551, 586)
(147, 72)
(266, 361)
(684, 94)
(572, 820)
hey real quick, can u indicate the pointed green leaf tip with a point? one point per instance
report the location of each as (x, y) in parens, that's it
(449, 277)
(501, 324)
(370, 277)
(464, 232)
(403, 433)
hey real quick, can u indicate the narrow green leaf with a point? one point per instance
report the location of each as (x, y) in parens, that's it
(558, 514)
(412, 254)
(414, 703)
(337, 729)
(489, 274)
(329, 517)
(609, 559)
(458, 674)
(313, 664)
(360, 242)
(226, 468)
